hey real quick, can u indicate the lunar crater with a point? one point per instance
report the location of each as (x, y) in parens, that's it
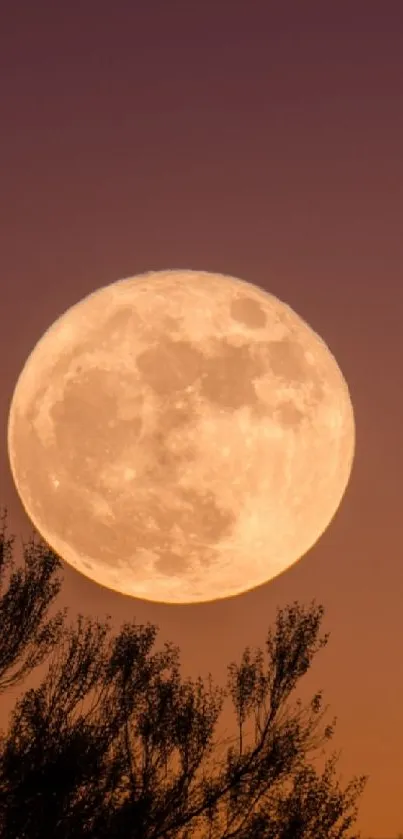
(247, 311)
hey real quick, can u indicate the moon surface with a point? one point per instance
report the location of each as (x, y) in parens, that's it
(181, 436)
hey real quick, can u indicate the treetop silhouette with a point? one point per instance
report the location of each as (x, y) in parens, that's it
(115, 743)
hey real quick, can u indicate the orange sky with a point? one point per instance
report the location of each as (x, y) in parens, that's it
(266, 144)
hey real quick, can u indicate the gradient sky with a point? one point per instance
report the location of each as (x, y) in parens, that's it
(263, 140)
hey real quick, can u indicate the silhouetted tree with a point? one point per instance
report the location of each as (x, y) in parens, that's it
(114, 743)
(26, 637)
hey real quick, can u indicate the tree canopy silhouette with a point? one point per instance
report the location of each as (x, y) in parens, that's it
(114, 743)
(26, 636)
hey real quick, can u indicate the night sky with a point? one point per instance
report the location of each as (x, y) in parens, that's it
(262, 140)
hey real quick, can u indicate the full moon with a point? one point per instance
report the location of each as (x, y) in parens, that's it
(181, 436)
